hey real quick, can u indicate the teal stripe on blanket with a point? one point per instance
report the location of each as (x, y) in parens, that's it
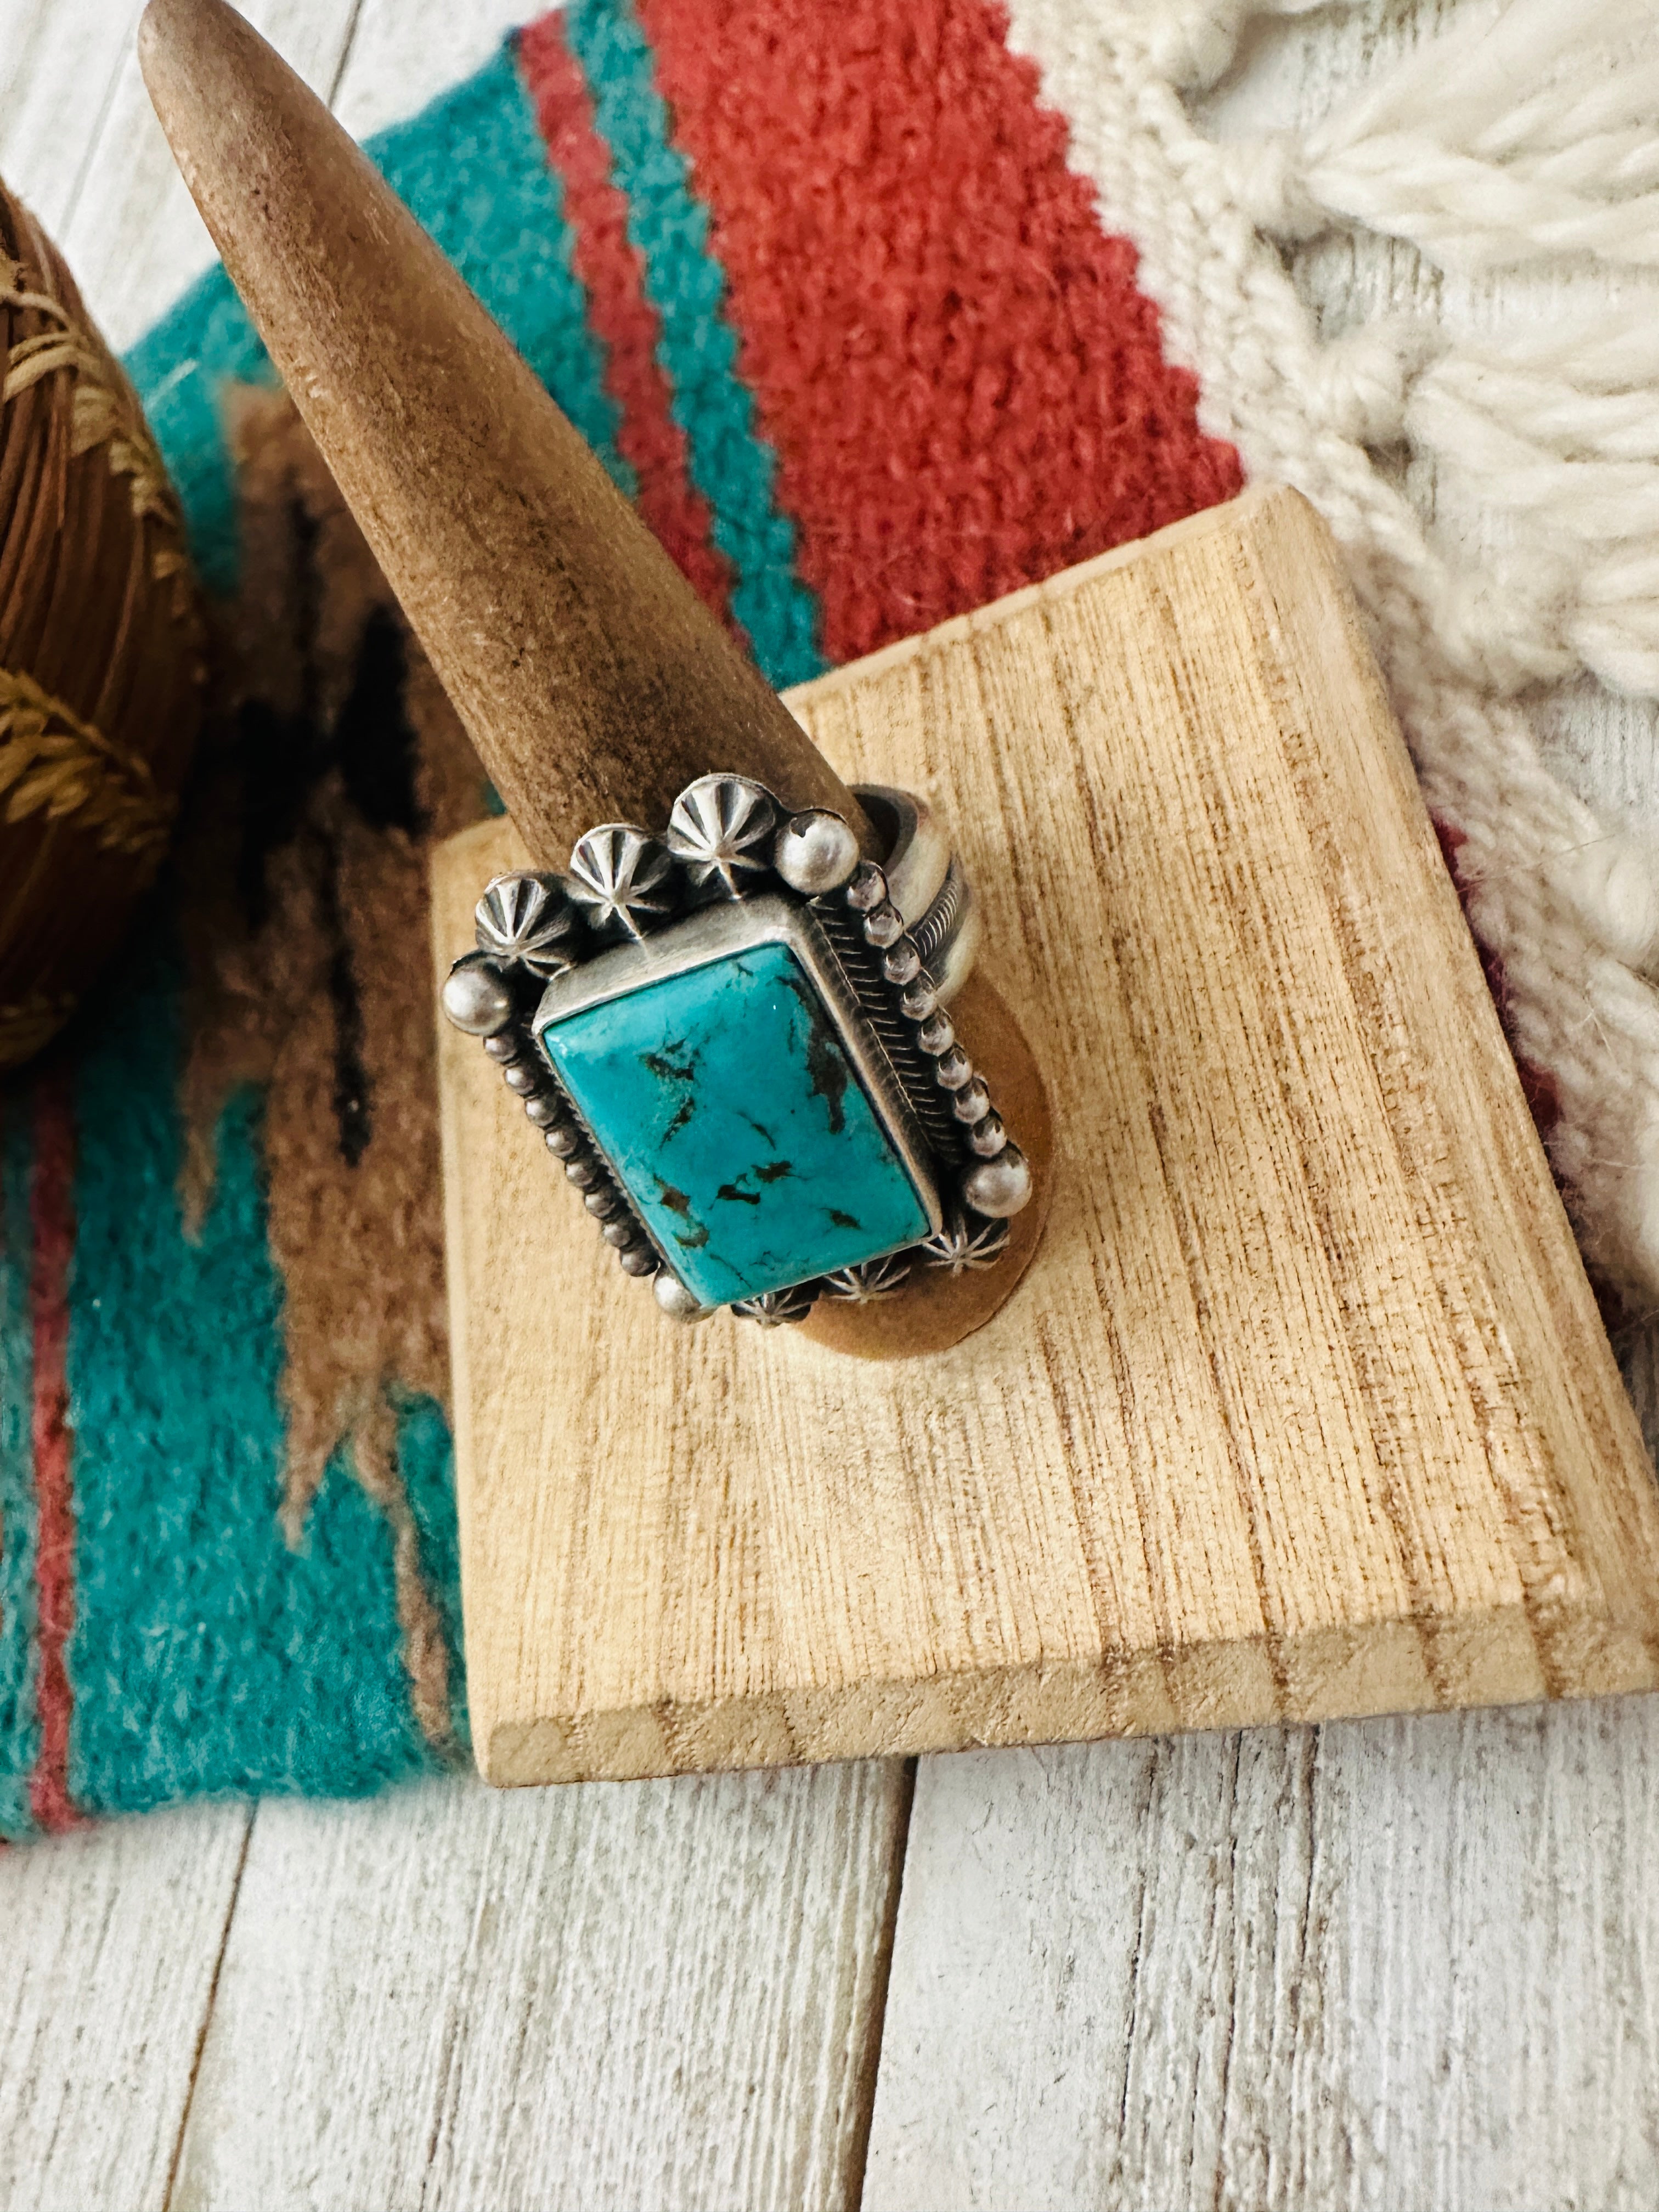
(426, 1460)
(473, 168)
(731, 463)
(20, 1729)
(205, 1655)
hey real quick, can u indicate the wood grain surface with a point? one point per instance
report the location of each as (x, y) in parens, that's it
(1491, 1878)
(1304, 1407)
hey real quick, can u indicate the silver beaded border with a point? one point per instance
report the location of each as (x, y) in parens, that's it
(729, 838)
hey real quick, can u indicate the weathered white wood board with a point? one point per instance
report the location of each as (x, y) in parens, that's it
(1402, 1964)
(58, 68)
(402, 51)
(627, 1996)
(109, 1943)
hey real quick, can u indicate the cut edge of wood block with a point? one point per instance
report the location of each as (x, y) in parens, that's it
(1557, 1450)
(1351, 1673)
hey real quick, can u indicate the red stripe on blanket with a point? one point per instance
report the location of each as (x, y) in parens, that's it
(965, 390)
(53, 1223)
(620, 315)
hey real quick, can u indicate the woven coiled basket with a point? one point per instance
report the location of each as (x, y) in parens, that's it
(100, 643)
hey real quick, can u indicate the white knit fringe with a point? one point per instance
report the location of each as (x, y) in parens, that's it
(1504, 117)
(1523, 137)
(1191, 43)
(1559, 432)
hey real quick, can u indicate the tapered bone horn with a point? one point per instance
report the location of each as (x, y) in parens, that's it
(592, 680)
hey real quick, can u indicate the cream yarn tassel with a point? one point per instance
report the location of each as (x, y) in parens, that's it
(1557, 430)
(1527, 136)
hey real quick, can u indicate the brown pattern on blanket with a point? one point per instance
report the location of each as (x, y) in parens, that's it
(334, 761)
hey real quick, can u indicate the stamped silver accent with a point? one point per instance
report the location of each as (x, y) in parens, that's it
(624, 879)
(874, 1278)
(966, 1244)
(773, 1308)
(721, 833)
(527, 919)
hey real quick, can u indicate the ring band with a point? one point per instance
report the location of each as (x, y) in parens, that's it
(733, 1039)
(926, 883)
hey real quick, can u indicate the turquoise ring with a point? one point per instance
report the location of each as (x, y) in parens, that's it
(734, 1037)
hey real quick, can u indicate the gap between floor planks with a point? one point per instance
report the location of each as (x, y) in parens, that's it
(631, 1995)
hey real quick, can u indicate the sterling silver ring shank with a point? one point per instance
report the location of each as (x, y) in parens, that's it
(733, 1037)
(926, 884)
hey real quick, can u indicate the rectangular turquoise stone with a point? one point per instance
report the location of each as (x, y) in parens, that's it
(724, 1098)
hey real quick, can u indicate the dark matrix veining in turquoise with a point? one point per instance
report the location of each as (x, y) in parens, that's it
(725, 1101)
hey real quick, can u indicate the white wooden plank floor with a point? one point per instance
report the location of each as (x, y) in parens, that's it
(111, 1942)
(1412, 1963)
(1404, 1964)
(623, 1995)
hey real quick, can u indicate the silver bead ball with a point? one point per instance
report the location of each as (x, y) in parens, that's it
(815, 853)
(999, 1186)
(676, 1301)
(988, 1136)
(478, 998)
(972, 1102)
(902, 963)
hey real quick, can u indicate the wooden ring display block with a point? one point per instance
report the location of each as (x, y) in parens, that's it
(1304, 1407)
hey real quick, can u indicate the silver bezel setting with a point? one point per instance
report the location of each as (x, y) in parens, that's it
(716, 932)
(884, 947)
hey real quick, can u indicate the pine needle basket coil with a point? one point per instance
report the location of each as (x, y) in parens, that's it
(101, 662)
